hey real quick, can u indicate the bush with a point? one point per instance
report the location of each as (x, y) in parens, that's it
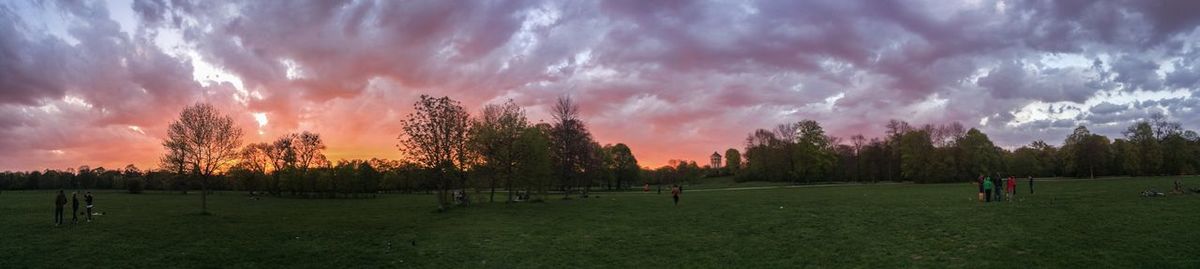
(134, 185)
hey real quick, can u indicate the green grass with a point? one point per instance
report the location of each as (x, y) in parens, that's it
(1102, 223)
(723, 182)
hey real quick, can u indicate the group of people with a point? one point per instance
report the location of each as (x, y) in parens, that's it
(61, 200)
(999, 189)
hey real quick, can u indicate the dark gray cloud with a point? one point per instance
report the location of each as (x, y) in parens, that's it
(1107, 108)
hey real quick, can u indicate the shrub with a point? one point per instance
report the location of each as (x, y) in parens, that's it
(134, 185)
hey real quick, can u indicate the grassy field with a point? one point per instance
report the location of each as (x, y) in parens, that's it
(721, 182)
(1101, 223)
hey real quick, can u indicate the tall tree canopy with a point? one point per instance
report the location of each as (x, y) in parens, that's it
(495, 136)
(571, 146)
(435, 137)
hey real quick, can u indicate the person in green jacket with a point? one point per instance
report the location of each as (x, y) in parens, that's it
(987, 189)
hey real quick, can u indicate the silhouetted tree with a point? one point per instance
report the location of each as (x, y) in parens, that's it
(205, 141)
(435, 137)
(571, 145)
(733, 161)
(623, 165)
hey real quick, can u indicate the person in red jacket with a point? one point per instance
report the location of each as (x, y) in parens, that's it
(1011, 188)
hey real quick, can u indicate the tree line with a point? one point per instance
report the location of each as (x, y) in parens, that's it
(801, 152)
(445, 149)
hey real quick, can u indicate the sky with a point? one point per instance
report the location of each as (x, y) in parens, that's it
(97, 82)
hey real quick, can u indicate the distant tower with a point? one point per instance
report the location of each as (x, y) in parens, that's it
(716, 160)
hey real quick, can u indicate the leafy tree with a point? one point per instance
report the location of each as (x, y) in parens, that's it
(812, 151)
(980, 156)
(1085, 153)
(733, 161)
(571, 146)
(623, 165)
(535, 165)
(916, 155)
(494, 136)
(435, 137)
(1146, 151)
(133, 179)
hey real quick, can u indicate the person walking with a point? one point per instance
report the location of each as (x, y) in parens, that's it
(74, 207)
(59, 201)
(987, 189)
(675, 193)
(87, 198)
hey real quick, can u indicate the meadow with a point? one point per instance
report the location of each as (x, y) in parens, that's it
(1071, 223)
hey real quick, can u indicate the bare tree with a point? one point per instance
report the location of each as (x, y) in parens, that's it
(204, 141)
(309, 149)
(254, 157)
(283, 157)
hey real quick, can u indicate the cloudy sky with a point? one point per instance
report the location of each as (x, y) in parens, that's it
(97, 83)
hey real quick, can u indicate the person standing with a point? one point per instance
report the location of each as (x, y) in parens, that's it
(987, 189)
(74, 207)
(980, 183)
(59, 201)
(996, 187)
(87, 198)
(1012, 188)
(675, 193)
(1030, 184)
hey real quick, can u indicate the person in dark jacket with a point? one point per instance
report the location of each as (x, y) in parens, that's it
(87, 198)
(74, 207)
(675, 191)
(59, 202)
(1030, 184)
(997, 188)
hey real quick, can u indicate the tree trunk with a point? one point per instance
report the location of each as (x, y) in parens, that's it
(204, 194)
(508, 186)
(492, 197)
